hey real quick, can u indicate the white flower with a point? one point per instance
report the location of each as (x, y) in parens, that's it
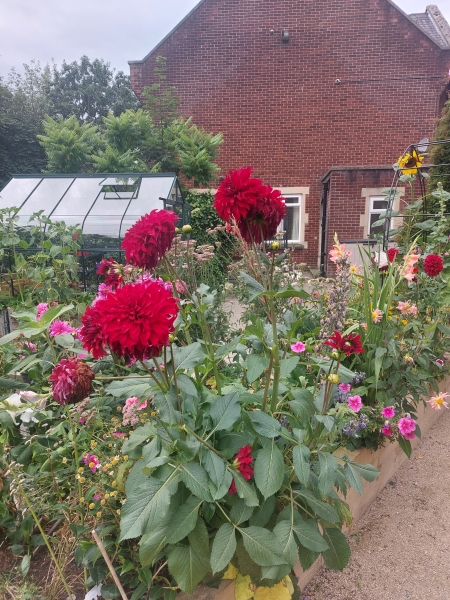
(94, 593)
(13, 400)
(27, 415)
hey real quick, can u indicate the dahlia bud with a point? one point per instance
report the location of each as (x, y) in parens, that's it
(335, 355)
(186, 229)
(333, 378)
(274, 246)
(171, 338)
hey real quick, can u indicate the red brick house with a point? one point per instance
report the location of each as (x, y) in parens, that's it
(320, 96)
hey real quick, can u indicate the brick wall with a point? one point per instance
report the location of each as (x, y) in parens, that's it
(278, 105)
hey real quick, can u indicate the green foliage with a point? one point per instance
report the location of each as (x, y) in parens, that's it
(440, 157)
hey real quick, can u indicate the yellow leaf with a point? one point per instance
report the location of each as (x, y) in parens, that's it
(289, 585)
(243, 588)
(279, 591)
(231, 572)
(211, 382)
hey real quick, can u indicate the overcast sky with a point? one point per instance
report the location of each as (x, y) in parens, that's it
(115, 30)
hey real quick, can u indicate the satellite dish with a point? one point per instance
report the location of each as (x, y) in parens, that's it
(422, 146)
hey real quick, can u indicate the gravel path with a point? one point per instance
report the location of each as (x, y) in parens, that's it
(401, 546)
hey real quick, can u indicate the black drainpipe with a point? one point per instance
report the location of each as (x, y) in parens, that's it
(323, 227)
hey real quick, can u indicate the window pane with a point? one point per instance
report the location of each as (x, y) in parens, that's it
(380, 204)
(46, 196)
(15, 192)
(292, 223)
(379, 228)
(292, 200)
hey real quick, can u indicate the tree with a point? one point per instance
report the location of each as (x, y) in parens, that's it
(89, 90)
(440, 156)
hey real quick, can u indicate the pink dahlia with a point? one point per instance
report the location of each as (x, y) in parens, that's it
(243, 463)
(134, 321)
(388, 412)
(150, 238)
(71, 381)
(40, 310)
(355, 403)
(91, 332)
(61, 327)
(237, 194)
(439, 401)
(263, 218)
(406, 427)
(433, 265)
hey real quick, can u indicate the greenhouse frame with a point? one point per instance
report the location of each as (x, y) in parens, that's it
(103, 205)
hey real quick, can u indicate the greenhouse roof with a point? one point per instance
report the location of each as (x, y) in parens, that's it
(99, 203)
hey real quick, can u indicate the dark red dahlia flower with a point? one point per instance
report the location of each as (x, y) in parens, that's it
(262, 220)
(111, 271)
(391, 254)
(243, 463)
(91, 331)
(349, 344)
(237, 193)
(71, 381)
(136, 319)
(149, 238)
(433, 265)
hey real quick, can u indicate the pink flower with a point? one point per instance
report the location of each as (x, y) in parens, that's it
(388, 412)
(60, 327)
(387, 429)
(181, 286)
(338, 253)
(118, 434)
(92, 462)
(298, 347)
(406, 427)
(439, 362)
(377, 315)
(40, 310)
(406, 308)
(355, 403)
(345, 387)
(408, 271)
(437, 402)
(30, 346)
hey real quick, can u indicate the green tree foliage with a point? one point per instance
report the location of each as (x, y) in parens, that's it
(440, 156)
(89, 90)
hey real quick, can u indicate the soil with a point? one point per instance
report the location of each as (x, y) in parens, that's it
(401, 546)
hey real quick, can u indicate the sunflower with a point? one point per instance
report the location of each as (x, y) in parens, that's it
(409, 163)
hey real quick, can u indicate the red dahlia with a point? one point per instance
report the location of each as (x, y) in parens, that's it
(243, 463)
(71, 381)
(237, 193)
(262, 220)
(110, 271)
(391, 254)
(134, 321)
(349, 344)
(149, 238)
(91, 331)
(433, 265)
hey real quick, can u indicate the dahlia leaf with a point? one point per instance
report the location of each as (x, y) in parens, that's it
(308, 535)
(327, 473)
(188, 567)
(222, 351)
(53, 313)
(196, 480)
(166, 404)
(253, 286)
(338, 553)
(322, 509)
(240, 512)
(269, 470)
(287, 365)
(256, 365)
(146, 506)
(138, 437)
(264, 424)
(368, 472)
(284, 534)
(187, 357)
(263, 513)
(186, 384)
(300, 459)
(262, 546)
(150, 546)
(184, 520)
(125, 388)
(214, 465)
(245, 490)
(225, 412)
(223, 548)
(353, 478)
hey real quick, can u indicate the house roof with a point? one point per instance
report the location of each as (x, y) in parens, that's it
(432, 23)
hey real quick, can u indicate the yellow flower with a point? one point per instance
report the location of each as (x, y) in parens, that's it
(106, 496)
(64, 459)
(77, 476)
(114, 483)
(115, 460)
(102, 501)
(118, 408)
(82, 479)
(333, 378)
(81, 500)
(118, 511)
(410, 163)
(91, 505)
(99, 514)
(404, 322)
(91, 464)
(125, 457)
(93, 444)
(81, 470)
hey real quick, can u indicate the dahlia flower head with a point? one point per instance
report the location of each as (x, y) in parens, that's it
(150, 238)
(111, 271)
(243, 463)
(349, 344)
(59, 327)
(71, 381)
(433, 265)
(134, 321)
(262, 220)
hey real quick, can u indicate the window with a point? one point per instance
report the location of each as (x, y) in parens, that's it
(291, 223)
(377, 207)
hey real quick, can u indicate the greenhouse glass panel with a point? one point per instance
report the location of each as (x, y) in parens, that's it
(17, 190)
(45, 196)
(79, 198)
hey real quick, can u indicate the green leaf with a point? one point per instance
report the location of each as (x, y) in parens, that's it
(255, 364)
(327, 421)
(188, 567)
(287, 365)
(240, 512)
(269, 470)
(150, 546)
(327, 474)
(214, 466)
(368, 472)
(9, 337)
(186, 384)
(227, 348)
(263, 513)
(405, 445)
(225, 411)
(146, 505)
(65, 340)
(338, 553)
(293, 294)
(195, 478)
(284, 534)
(300, 459)
(254, 287)
(187, 357)
(166, 404)
(7, 421)
(138, 437)
(264, 424)
(53, 313)
(307, 557)
(261, 545)
(126, 388)
(245, 490)
(223, 548)
(184, 521)
(353, 478)
(12, 384)
(308, 535)
(303, 404)
(322, 509)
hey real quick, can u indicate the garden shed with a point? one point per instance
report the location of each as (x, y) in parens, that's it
(103, 205)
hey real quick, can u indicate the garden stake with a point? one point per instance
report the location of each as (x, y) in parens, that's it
(101, 547)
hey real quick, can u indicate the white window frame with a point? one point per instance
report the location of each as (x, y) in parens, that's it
(376, 211)
(372, 194)
(299, 203)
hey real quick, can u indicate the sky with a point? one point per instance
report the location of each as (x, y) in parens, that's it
(114, 30)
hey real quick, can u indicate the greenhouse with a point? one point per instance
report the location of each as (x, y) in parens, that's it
(103, 205)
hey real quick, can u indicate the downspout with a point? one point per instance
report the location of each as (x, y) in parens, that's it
(323, 226)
